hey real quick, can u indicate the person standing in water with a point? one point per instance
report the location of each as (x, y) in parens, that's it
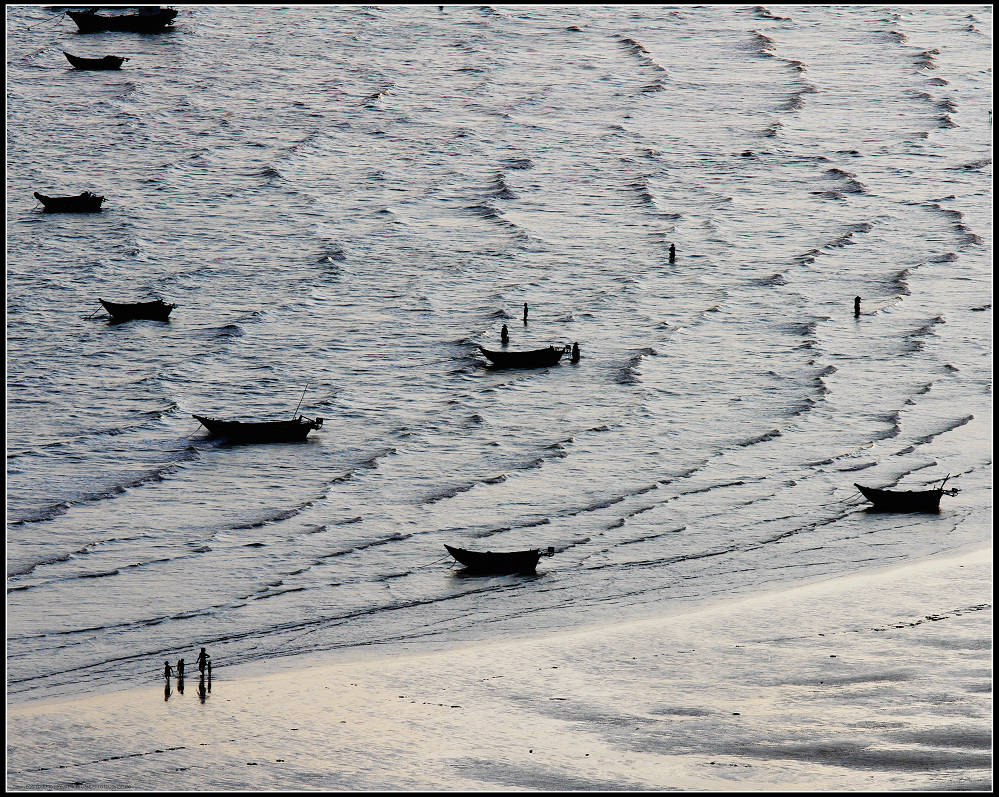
(575, 353)
(672, 253)
(525, 312)
(180, 669)
(167, 670)
(202, 660)
(856, 307)
(504, 335)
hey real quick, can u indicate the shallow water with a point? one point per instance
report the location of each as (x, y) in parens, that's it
(376, 191)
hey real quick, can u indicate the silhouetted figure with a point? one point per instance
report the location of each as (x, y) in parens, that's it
(504, 335)
(166, 691)
(209, 676)
(856, 307)
(180, 684)
(180, 668)
(202, 693)
(672, 253)
(167, 670)
(525, 312)
(575, 353)
(202, 660)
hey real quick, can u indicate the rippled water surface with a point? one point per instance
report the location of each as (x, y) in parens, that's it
(346, 201)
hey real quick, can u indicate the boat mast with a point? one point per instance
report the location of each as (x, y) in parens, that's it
(300, 401)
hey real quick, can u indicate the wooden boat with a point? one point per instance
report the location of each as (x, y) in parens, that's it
(83, 203)
(126, 311)
(494, 562)
(107, 62)
(261, 431)
(537, 358)
(153, 19)
(905, 500)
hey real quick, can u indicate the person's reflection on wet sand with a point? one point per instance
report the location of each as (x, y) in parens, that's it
(202, 692)
(166, 692)
(180, 684)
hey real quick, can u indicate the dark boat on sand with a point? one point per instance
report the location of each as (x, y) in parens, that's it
(537, 358)
(152, 19)
(492, 562)
(82, 203)
(127, 311)
(107, 62)
(261, 431)
(905, 500)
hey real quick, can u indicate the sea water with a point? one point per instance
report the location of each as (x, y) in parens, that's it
(344, 202)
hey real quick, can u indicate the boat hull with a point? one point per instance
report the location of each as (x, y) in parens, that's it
(902, 500)
(538, 358)
(260, 431)
(151, 311)
(490, 562)
(84, 203)
(107, 62)
(89, 22)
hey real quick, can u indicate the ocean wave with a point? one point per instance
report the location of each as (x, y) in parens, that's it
(763, 438)
(765, 13)
(979, 164)
(950, 427)
(847, 238)
(519, 163)
(924, 60)
(638, 49)
(335, 255)
(897, 36)
(628, 374)
(500, 189)
(762, 44)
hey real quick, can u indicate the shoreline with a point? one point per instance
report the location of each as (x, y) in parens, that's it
(295, 662)
(874, 680)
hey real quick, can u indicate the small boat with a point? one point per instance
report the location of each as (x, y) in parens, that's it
(261, 431)
(127, 311)
(83, 203)
(537, 358)
(905, 500)
(151, 19)
(493, 562)
(107, 62)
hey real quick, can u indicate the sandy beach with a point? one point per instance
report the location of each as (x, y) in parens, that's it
(880, 681)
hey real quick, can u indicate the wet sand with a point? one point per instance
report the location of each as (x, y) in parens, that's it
(871, 682)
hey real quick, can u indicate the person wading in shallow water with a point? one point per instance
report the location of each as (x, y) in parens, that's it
(202, 660)
(504, 335)
(856, 307)
(672, 253)
(575, 353)
(180, 668)
(167, 670)
(525, 312)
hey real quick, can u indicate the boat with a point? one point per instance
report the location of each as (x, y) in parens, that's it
(536, 358)
(905, 500)
(152, 19)
(126, 311)
(107, 62)
(82, 203)
(496, 562)
(261, 431)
